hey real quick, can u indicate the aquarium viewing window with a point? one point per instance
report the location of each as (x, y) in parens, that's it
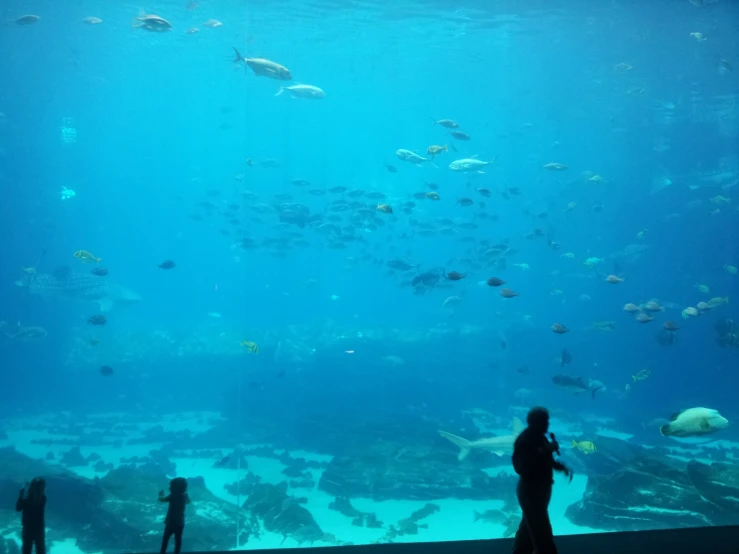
(280, 275)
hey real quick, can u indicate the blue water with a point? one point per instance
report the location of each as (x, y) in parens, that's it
(145, 127)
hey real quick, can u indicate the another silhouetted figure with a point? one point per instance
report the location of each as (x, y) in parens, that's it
(174, 523)
(32, 503)
(534, 462)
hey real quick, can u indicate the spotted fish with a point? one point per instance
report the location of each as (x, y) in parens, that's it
(82, 287)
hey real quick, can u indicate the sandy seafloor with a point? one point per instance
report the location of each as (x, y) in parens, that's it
(454, 521)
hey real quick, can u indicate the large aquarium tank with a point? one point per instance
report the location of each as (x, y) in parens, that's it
(320, 259)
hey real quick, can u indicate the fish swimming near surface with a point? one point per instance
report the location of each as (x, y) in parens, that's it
(501, 446)
(82, 287)
(577, 385)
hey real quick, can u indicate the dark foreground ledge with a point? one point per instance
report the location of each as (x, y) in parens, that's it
(713, 540)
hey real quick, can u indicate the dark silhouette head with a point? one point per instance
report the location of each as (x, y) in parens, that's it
(178, 485)
(538, 419)
(36, 489)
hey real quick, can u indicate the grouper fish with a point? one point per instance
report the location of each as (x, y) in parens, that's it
(501, 446)
(81, 287)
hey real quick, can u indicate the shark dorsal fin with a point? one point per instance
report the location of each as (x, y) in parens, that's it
(518, 426)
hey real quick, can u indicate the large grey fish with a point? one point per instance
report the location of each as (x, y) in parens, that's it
(82, 287)
(577, 384)
(265, 68)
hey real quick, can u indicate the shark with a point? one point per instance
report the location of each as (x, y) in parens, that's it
(81, 287)
(500, 446)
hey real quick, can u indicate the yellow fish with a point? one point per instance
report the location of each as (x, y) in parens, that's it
(433, 196)
(84, 256)
(718, 301)
(434, 149)
(586, 447)
(384, 208)
(641, 375)
(251, 347)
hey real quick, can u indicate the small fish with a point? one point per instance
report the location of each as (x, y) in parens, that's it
(644, 318)
(97, 320)
(586, 447)
(391, 168)
(459, 135)
(566, 358)
(265, 68)
(26, 20)
(84, 256)
(432, 195)
(409, 156)
(464, 202)
(508, 293)
(384, 208)
(559, 328)
(641, 375)
(167, 264)
(495, 282)
(446, 123)
(99, 271)
(212, 24)
(614, 279)
(106, 370)
(250, 346)
(151, 22)
(435, 150)
(455, 276)
(555, 167)
(303, 91)
(92, 21)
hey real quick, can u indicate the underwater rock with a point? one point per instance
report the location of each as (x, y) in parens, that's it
(245, 486)
(718, 483)
(361, 519)
(130, 496)
(647, 493)
(283, 514)
(411, 525)
(73, 458)
(307, 483)
(102, 467)
(232, 460)
(413, 475)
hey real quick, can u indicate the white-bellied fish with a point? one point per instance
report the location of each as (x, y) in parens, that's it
(263, 67)
(409, 156)
(468, 165)
(303, 91)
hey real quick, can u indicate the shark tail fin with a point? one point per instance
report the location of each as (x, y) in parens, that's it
(463, 444)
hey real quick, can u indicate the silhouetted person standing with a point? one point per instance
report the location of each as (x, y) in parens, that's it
(32, 504)
(174, 523)
(533, 460)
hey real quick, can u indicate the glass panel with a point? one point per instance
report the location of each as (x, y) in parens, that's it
(321, 258)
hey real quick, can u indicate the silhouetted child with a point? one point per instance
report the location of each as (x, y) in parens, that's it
(174, 523)
(32, 503)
